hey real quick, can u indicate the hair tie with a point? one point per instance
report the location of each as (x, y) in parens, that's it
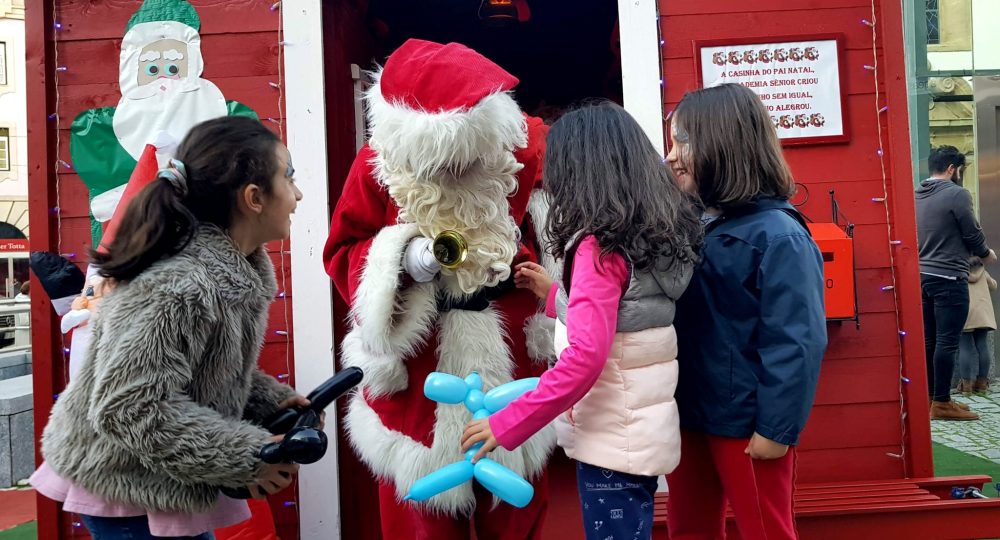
(176, 175)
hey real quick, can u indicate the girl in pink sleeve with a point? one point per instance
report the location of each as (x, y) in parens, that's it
(628, 239)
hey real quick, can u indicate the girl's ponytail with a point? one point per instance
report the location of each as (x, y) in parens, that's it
(216, 160)
(156, 224)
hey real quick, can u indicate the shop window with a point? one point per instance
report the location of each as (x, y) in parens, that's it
(933, 23)
(4, 149)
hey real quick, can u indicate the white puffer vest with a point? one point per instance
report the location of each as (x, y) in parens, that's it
(628, 421)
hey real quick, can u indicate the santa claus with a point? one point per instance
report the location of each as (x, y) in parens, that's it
(449, 152)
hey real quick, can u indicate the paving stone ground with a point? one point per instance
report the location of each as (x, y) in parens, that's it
(979, 438)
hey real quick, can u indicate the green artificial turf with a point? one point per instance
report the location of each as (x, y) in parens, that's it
(951, 462)
(28, 531)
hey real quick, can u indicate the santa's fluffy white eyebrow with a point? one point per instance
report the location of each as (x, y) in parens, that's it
(173, 54)
(149, 56)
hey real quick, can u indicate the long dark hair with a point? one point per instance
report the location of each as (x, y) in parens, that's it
(220, 157)
(606, 179)
(735, 154)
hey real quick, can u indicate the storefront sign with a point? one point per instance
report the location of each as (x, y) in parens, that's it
(8, 245)
(798, 79)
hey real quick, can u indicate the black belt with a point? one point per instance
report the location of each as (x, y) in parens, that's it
(477, 301)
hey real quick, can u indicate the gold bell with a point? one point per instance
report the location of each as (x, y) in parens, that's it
(450, 249)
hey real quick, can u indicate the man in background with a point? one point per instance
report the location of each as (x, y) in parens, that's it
(948, 234)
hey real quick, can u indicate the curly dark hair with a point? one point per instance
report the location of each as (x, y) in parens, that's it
(605, 179)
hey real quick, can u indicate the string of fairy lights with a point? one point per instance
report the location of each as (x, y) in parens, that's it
(283, 252)
(879, 110)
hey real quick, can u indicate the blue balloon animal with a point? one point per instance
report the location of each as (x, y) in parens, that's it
(499, 480)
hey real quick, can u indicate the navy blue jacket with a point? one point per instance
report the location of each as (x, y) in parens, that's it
(752, 326)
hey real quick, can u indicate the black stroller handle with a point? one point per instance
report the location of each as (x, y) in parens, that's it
(320, 398)
(304, 442)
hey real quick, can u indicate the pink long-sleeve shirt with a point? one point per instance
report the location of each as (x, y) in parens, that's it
(591, 324)
(227, 512)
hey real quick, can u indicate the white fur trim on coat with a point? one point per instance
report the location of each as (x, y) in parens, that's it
(538, 209)
(539, 328)
(420, 142)
(390, 325)
(468, 341)
(538, 334)
(391, 321)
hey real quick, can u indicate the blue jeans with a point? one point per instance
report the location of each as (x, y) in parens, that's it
(129, 528)
(616, 505)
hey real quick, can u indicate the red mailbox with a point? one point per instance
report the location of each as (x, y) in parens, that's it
(838, 269)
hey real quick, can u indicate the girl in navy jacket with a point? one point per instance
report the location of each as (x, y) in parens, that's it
(751, 326)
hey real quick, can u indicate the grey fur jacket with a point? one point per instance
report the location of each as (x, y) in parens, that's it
(161, 413)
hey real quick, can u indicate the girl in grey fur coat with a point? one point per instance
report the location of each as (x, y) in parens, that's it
(164, 411)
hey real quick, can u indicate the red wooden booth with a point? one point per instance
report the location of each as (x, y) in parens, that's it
(865, 462)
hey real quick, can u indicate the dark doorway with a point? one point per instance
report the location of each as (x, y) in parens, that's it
(565, 52)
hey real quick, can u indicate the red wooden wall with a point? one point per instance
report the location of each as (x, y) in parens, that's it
(856, 430)
(241, 52)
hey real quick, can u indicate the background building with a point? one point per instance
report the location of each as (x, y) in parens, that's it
(13, 150)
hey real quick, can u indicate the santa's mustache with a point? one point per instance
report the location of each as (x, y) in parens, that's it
(474, 204)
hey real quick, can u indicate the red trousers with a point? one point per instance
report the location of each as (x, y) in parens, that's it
(405, 521)
(714, 470)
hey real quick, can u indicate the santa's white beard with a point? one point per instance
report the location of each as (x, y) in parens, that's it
(146, 111)
(472, 202)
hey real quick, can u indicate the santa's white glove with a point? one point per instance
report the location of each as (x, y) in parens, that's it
(419, 260)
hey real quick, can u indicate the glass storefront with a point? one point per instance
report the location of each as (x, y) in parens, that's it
(953, 67)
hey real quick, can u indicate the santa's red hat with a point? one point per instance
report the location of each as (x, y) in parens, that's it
(434, 106)
(143, 174)
(432, 77)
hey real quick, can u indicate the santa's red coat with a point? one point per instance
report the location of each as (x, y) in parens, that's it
(398, 335)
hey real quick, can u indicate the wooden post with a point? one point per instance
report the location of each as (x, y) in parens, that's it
(920, 460)
(319, 490)
(641, 79)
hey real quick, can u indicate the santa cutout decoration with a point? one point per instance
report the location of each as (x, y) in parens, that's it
(163, 96)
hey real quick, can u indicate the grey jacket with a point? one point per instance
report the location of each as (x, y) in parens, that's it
(947, 230)
(160, 413)
(649, 301)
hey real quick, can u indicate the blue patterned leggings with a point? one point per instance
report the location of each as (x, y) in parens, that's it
(616, 505)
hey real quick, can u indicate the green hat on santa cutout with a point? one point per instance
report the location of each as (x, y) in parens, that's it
(165, 10)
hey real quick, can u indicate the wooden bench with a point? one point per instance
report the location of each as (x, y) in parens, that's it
(906, 509)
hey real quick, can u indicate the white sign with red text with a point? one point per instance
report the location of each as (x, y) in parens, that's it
(798, 81)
